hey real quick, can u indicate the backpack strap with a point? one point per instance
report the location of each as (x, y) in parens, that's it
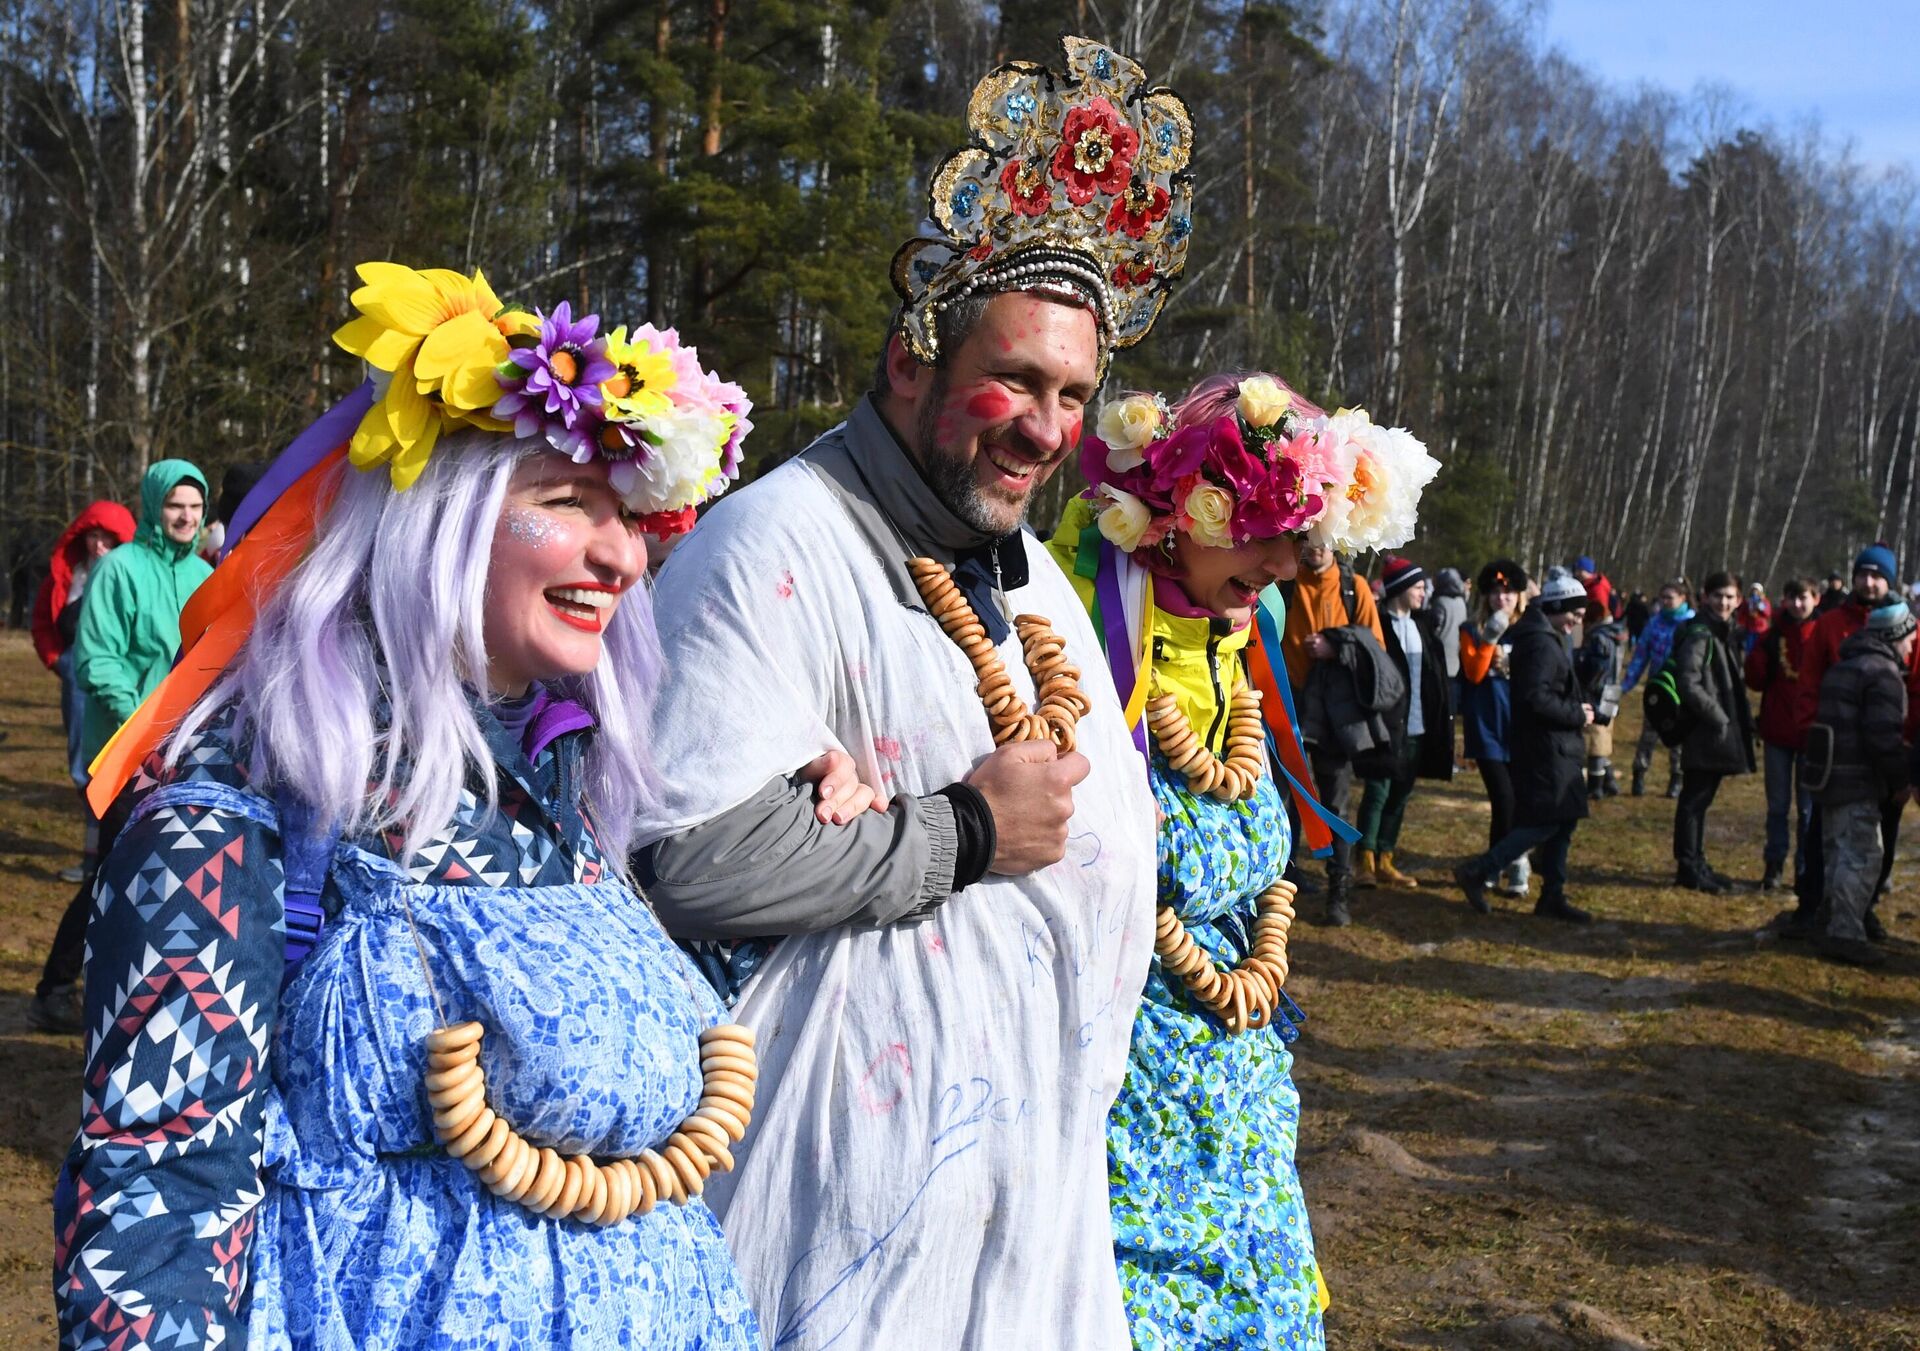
(1349, 595)
(307, 857)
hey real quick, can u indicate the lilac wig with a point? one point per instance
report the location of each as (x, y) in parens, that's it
(1215, 396)
(386, 611)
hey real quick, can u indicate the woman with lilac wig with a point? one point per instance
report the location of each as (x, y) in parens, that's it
(1193, 514)
(401, 807)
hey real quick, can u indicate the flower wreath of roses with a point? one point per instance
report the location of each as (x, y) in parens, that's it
(1257, 473)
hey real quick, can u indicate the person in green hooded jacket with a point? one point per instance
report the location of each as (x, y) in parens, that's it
(128, 637)
(130, 626)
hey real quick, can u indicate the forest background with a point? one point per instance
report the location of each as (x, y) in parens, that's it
(1628, 323)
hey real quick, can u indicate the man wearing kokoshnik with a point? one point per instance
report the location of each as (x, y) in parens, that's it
(943, 989)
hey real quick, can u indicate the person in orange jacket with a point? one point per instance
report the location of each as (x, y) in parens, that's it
(1325, 595)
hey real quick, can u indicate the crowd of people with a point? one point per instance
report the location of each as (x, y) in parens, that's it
(874, 929)
(1536, 673)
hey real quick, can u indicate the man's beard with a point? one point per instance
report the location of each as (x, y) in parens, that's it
(954, 480)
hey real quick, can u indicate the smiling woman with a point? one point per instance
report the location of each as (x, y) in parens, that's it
(564, 552)
(1195, 511)
(412, 959)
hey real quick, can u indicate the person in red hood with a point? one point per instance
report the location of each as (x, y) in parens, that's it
(1875, 573)
(1773, 668)
(92, 535)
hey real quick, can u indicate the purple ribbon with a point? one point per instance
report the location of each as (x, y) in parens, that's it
(1119, 643)
(333, 429)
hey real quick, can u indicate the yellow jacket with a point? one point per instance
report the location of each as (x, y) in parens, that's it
(1196, 660)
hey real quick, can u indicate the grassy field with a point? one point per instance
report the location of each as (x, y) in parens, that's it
(1664, 1130)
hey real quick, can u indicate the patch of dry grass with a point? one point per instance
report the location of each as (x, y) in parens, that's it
(1649, 1118)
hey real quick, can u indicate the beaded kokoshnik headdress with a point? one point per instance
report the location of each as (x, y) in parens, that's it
(1075, 183)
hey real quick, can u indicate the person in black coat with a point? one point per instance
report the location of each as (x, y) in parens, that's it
(1713, 690)
(1419, 725)
(1549, 755)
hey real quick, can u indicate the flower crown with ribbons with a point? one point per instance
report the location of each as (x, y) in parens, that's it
(444, 353)
(1075, 183)
(1264, 470)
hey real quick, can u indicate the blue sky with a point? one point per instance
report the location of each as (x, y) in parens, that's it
(1854, 63)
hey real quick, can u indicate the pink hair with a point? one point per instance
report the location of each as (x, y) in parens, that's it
(1214, 397)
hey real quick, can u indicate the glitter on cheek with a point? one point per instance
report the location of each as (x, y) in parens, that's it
(535, 529)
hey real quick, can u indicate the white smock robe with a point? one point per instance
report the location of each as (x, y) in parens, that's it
(927, 1166)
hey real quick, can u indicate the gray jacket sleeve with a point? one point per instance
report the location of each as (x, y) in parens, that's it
(770, 867)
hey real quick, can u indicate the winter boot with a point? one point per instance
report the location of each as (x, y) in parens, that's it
(1557, 907)
(1673, 786)
(1609, 785)
(1470, 881)
(58, 1010)
(1339, 913)
(1384, 870)
(1770, 879)
(1639, 781)
(1365, 871)
(1596, 778)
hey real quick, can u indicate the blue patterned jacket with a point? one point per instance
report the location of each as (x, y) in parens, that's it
(154, 1210)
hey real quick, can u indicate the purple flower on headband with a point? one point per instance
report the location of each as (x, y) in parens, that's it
(553, 387)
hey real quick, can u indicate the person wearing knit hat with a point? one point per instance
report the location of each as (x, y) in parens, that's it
(1857, 743)
(1549, 779)
(1875, 570)
(1420, 725)
(1709, 656)
(1598, 587)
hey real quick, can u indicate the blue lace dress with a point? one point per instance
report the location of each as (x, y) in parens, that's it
(1210, 1224)
(258, 1164)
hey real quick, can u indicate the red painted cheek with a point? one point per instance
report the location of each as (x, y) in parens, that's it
(989, 405)
(1073, 431)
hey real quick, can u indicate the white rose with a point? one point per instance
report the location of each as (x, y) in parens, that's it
(1125, 518)
(1262, 401)
(1126, 427)
(1211, 510)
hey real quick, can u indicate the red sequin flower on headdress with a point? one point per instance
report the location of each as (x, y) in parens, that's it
(1137, 210)
(1027, 189)
(1095, 153)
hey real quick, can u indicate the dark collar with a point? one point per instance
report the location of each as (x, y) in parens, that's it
(896, 511)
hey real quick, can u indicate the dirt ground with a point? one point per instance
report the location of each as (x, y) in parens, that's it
(1665, 1130)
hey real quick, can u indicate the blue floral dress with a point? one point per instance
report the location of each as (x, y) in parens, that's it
(256, 1165)
(1210, 1224)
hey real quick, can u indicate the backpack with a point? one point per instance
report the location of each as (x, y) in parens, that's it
(1666, 712)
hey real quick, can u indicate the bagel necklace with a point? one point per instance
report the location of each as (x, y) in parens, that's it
(1244, 995)
(572, 1186)
(1056, 681)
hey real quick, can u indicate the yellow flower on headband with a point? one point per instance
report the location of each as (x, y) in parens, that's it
(439, 336)
(642, 378)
